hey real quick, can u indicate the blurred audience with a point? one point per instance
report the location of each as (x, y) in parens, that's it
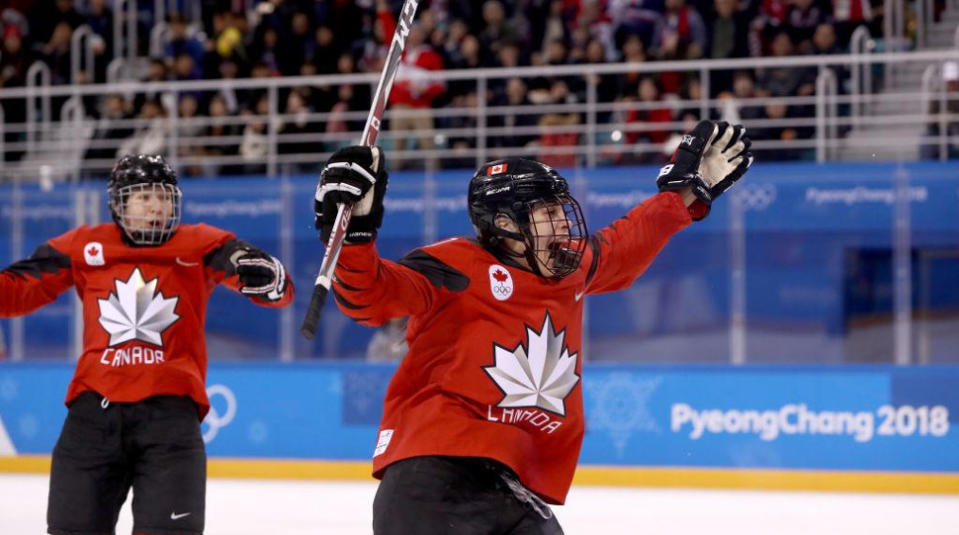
(293, 38)
(642, 121)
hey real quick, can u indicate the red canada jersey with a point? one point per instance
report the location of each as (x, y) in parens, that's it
(495, 354)
(144, 308)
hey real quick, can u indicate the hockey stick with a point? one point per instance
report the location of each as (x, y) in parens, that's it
(324, 278)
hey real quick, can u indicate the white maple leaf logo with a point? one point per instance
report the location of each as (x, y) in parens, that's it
(137, 311)
(540, 375)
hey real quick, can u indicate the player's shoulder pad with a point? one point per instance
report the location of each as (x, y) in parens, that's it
(459, 251)
(202, 238)
(72, 242)
(438, 263)
(456, 244)
(205, 233)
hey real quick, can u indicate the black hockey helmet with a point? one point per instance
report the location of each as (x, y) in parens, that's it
(513, 188)
(147, 178)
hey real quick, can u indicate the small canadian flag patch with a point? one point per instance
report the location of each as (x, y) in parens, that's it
(496, 169)
(93, 254)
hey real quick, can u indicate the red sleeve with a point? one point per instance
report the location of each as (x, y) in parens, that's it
(372, 291)
(623, 250)
(29, 284)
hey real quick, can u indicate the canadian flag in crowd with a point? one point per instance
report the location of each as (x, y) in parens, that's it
(496, 169)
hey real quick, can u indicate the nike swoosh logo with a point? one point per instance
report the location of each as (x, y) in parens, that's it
(579, 295)
(187, 264)
(174, 516)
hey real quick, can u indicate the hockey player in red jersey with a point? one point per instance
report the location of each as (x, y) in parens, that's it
(483, 421)
(138, 393)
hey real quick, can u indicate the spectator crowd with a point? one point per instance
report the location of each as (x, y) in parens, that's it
(237, 39)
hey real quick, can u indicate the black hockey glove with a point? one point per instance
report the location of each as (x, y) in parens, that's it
(261, 275)
(708, 161)
(727, 159)
(357, 176)
(682, 171)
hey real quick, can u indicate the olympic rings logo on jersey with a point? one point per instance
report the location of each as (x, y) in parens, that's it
(757, 196)
(215, 420)
(500, 282)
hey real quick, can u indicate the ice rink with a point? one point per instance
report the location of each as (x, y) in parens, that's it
(245, 507)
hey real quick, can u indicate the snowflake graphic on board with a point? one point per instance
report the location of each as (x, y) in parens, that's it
(137, 311)
(541, 374)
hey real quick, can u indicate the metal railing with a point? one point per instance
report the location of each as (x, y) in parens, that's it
(125, 29)
(38, 70)
(894, 25)
(590, 130)
(860, 43)
(924, 19)
(827, 112)
(81, 48)
(158, 37)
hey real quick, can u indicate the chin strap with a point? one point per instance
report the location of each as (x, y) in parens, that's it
(528, 254)
(503, 233)
(533, 261)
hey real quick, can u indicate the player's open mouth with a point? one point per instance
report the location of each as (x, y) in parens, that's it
(557, 247)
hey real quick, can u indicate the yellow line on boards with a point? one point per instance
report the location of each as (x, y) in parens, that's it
(751, 479)
(289, 469)
(709, 478)
(30, 464)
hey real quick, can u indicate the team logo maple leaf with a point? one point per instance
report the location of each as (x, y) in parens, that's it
(137, 311)
(93, 251)
(500, 276)
(540, 375)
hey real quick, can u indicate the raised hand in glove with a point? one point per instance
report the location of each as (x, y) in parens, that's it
(726, 160)
(353, 175)
(261, 275)
(707, 162)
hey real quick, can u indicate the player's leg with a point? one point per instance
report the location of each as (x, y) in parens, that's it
(533, 524)
(538, 518)
(89, 474)
(447, 495)
(437, 496)
(169, 482)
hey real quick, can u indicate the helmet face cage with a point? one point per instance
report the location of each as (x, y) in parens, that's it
(149, 213)
(516, 188)
(555, 239)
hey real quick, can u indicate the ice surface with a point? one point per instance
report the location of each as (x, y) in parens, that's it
(252, 507)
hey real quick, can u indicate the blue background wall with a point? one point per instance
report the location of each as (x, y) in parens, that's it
(818, 242)
(907, 416)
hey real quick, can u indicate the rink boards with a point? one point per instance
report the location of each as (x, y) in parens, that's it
(862, 428)
(815, 244)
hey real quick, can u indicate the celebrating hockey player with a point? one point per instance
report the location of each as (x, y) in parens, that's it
(483, 420)
(138, 393)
